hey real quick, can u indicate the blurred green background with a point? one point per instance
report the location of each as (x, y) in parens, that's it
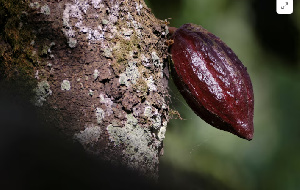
(268, 45)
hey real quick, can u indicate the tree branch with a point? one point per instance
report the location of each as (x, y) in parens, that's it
(101, 76)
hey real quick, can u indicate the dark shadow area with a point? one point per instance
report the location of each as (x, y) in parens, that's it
(165, 9)
(277, 33)
(176, 179)
(34, 155)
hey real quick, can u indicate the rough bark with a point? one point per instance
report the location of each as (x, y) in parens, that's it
(101, 76)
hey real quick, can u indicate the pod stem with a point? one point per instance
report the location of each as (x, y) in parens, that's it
(172, 30)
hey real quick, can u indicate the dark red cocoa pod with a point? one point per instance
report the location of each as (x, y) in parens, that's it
(212, 80)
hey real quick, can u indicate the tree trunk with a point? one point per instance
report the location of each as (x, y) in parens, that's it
(100, 71)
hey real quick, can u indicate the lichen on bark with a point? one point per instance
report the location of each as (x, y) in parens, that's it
(104, 63)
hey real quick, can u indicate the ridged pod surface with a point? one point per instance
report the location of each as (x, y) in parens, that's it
(212, 80)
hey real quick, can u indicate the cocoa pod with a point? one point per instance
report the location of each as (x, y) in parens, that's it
(212, 80)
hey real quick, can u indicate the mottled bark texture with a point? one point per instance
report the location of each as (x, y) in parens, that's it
(101, 76)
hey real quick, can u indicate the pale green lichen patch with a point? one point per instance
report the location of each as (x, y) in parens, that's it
(65, 85)
(131, 74)
(97, 4)
(71, 11)
(156, 121)
(138, 7)
(136, 140)
(157, 63)
(123, 79)
(45, 10)
(32, 42)
(72, 42)
(127, 33)
(91, 92)
(104, 21)
(100, 114)
(141, 86)
(153, 115)
(42, 91)
(150, 83)
(155, 59)
(107, 102)
(131, 120)
(116, 134)
(90, 135)
(34, 5)
(161, 133)
(107, 52)
(96, 74)
(148, 111)
(167, 30)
